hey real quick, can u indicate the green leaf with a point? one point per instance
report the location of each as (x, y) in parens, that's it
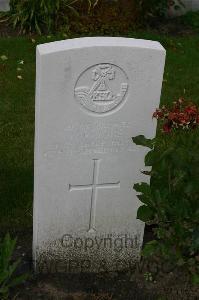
(150, 248)
(142, 141)
(167, 153)
(13, 267)
(6, 251)
(4, 292)
(144, 199)
(144, 213)
(150, 158)
(195, 279)
(18, 280)
(4, 57)
(4, 274)
(142, 187)
(7, 268)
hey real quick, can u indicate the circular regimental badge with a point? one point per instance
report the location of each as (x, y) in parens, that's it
(101, 88)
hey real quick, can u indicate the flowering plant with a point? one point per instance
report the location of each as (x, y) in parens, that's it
(183, 115)
(171, 200)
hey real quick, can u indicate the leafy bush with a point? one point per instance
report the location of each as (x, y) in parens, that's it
(191, 19)
(44, 15)
(7, 268)
(171, 200)
(154, 8)
(39, 15)
(49, 15)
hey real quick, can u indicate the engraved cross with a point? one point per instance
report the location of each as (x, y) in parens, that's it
(93, 187)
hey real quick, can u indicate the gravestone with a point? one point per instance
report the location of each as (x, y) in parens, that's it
(4, 5)
(92, 96)
(195, 5)
(183, 8)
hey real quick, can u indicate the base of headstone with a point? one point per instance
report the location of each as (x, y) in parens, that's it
(105, 253)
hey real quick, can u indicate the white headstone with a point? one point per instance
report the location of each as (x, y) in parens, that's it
(4, 5)
(195, 5)
(92, 96)
(184, 6)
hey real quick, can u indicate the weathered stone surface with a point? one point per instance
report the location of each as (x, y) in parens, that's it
(4, 5)
(92, 96)
(186, 5)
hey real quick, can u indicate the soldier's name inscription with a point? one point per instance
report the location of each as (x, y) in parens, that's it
(99, 138)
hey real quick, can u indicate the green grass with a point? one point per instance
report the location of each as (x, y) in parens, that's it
(17, 113)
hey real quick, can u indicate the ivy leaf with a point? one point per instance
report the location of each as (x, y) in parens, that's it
(144, 213)
(142, 141)
(144, 199)
(142, 187)
(150, 158)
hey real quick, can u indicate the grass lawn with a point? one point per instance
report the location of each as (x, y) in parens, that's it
(17, 113)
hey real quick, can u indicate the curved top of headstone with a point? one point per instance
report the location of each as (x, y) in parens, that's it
(88, 42)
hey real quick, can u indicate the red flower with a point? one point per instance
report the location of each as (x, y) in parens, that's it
(172, 116)
(182, 115)
(183, 118)
(191, 110)
(157, 114)
(167, 127)
(176, 109)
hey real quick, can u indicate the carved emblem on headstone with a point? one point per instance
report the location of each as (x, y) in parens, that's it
(101, 88)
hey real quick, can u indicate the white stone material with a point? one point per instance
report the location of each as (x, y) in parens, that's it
(191, 4)
(4, 5)
(92, 96)
(188, 5)
(195, 5)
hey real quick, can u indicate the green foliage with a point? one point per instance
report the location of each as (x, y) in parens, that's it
(8, 268)
(152, 7)
(191, 19)
(39, 15)
(148, 276)
(171, 200)
(44, 16)
(195, 279)
(142, 141)
(92, 4)
(147, 9)
(150, 248)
